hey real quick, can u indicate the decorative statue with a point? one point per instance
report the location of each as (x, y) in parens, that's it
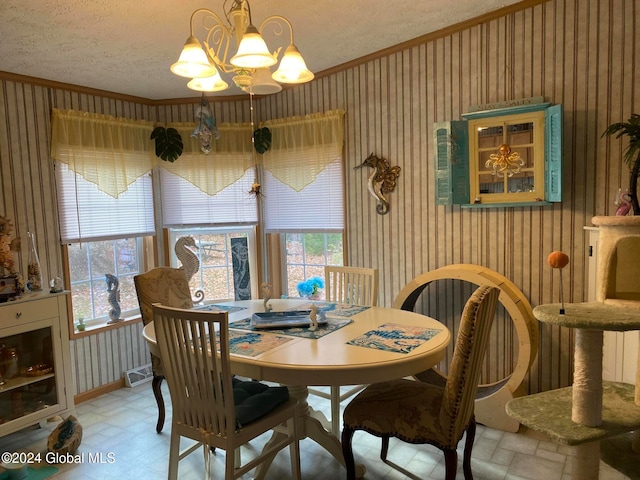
(313, 317)
(189, 260)
(505, 162)
(623, 202)
(266, 291)
(113, 291)
(381, 181)
(241, 273)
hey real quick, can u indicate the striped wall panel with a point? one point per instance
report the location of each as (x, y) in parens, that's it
(583, 54)
(103, 358)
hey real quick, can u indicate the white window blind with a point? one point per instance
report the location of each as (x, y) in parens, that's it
(319, 207)
(88, 214)
(184, 204)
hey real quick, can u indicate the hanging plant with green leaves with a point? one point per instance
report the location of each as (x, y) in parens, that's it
(262, 140)
(169, 144)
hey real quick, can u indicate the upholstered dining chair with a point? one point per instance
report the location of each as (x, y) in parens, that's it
(353, 286)
(168, 286)
(208, 404)
(419, 413)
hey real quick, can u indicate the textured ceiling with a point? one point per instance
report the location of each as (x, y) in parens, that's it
(126, 46)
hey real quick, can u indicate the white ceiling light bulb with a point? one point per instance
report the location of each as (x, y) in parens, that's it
(292, 68)
(252, 51)
(193, 61)
(214, 83)
(262, 83)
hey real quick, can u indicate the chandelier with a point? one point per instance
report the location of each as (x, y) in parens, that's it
(250, 65)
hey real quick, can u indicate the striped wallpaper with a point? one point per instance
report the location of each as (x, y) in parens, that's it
(583, 54)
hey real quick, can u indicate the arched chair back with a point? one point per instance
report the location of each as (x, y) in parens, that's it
(417, 412)
(167, 286)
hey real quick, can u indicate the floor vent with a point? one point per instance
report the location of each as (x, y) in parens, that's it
(139, 375)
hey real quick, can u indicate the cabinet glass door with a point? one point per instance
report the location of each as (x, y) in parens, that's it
(508, 165)
(27, 376)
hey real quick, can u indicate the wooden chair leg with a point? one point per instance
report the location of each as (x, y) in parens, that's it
(468, 446)
(349, 462)
(207, 463)
(174, 456)
(157, 392)
(385, 448)
(451, 463)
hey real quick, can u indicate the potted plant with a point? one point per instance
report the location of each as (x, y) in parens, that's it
(310, 288)
(631, 154)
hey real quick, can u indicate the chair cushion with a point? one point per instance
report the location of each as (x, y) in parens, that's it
(254, 399)
(404, 409)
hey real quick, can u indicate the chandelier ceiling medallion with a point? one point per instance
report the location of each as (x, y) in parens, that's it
(250, 65)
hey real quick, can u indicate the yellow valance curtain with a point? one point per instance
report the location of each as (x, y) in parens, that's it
(110, 152)
(231, 155)
(302, 147)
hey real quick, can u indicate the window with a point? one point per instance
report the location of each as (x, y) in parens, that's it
(227, 259)
(306, 255)
(105, 205)
(104, 236)
(310, 223)
(88, 263)
(303, 182)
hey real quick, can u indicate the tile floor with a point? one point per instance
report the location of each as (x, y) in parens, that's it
(122, 423)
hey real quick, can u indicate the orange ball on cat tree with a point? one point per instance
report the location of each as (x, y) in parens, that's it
(558, 259)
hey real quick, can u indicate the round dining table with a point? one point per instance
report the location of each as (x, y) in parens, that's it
(357, 345)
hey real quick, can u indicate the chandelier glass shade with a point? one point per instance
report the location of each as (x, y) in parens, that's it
(193, 61)
(214, 83)
(250, 64)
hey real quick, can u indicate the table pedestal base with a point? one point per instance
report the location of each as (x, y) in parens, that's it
(310, 425)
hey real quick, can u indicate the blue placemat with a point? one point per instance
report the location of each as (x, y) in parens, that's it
(394, 337)
(253, 344)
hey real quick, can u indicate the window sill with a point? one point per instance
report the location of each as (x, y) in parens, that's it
(506, 205)
(99, 327)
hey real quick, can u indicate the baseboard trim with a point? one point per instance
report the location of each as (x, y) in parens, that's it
(96, 392)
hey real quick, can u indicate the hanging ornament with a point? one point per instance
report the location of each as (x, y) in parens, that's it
(262, 140)
(206, 127)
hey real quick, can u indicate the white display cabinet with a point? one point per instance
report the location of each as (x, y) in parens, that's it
(35, 364)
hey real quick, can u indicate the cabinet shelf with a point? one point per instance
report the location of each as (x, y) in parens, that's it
(36, 330)
(505, 205)
(22, 381)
